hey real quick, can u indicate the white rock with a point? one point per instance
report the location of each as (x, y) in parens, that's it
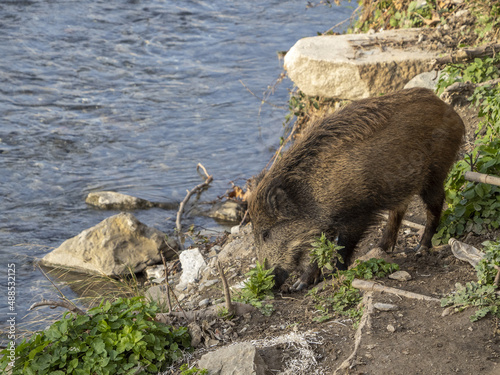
(385, 306)
(428, 80)
(155, 272)
(191, 261)
(353, 66)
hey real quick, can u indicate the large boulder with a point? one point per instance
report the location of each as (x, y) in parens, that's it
(113, 247)
(354, 66)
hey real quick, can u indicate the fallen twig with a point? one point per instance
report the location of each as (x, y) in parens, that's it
(53, 304)
(365, 321)
(372, 286)
(198, 188)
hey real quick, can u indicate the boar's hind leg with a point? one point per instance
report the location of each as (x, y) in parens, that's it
(391, 230)
(433, 197)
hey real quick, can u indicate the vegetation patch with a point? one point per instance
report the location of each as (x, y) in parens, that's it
(483, 293)
(113, 338)
(342, 300)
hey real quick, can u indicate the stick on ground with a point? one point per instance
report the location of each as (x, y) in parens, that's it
(372, 286)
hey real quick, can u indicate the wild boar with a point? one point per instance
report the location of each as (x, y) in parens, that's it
(372, 155)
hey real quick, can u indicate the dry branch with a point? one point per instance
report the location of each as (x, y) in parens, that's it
(467, 54)
(481, 177)
(197, 189)
(372, 286)
(53, 304)
(365, 321)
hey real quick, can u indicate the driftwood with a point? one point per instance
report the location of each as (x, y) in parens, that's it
(365, 321)
(372, 286)
(467, 54)
(196, 189)
(53, 304)
(484, 178)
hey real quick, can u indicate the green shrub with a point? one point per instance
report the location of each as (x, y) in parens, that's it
(112, 338)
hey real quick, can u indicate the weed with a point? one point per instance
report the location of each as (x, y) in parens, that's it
(486, 270)
(113, 338)
(343, 299)
(474, 295)
(185, 370)
(324, 253)
(258, 288)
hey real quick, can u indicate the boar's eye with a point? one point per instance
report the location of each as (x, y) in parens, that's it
(265, 235)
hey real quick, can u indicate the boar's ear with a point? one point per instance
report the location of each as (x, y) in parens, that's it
(277, 199)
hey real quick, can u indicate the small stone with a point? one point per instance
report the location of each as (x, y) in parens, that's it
(235, 230)
(400, 276)
(385, 306)
(391, 328)
(205, 302)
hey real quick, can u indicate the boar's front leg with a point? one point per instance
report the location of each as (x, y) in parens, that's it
(310, 276)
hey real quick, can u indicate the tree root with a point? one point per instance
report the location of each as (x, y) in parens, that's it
(350, 362)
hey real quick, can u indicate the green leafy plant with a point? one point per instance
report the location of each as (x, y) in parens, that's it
(324, 252)
(113, 338)
(486, 270)
(185, 370)
(481, 294)
(258, 288)
(471, 207)
(343, 299)
(473, 294)
(474, 207)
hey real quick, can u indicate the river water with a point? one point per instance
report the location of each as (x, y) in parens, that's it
(129, 95)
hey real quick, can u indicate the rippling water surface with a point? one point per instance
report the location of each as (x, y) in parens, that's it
(129, 95)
